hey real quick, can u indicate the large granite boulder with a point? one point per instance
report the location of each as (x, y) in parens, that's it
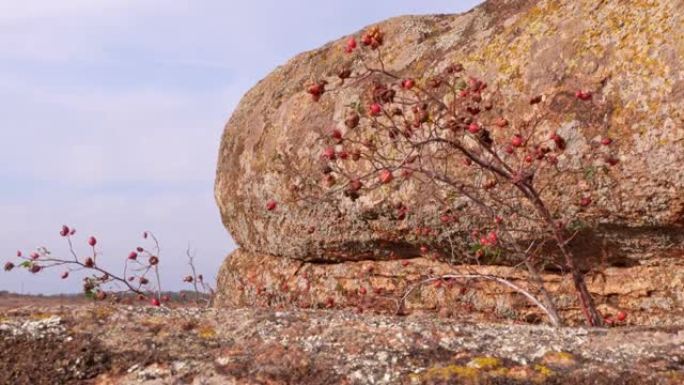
(628, 53)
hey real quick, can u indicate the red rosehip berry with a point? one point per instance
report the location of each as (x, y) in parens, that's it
(424, 249)
(583, 95)
(611, 160)
(474, 128)
(9, 266)
(72, 232)
(271, 205)
(155, 302)
(35, 269)
(375, 109)
(316, 90)
(351, 44)
(407, 84)
(492, 238)
(35, 255)
(362, 290)
(585, 201)
(438, 283)
(367, 39)
(329, 153)
(92, 241)
(355, 185)
(65, 275)
(64, 231)
(153, 261)
(89, 263)
(336, 134)
(19, 253)
(517, 140)
(405, 263)
(133, 256)
(385, 176)
(606, 141)
(139, 249)
(621, 316)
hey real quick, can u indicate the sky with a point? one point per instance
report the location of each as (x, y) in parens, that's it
(111, 113)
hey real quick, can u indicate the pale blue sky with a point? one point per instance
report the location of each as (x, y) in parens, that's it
(111, 113)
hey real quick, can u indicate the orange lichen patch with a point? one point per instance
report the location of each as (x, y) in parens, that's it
(559, 359)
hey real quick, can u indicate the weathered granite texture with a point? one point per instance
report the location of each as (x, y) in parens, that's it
(628, 53)
(122, 345)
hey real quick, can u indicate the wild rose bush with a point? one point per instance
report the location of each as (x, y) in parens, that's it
(139, 276)
(505, 186)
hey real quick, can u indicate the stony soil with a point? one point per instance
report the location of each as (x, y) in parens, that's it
(98, 344)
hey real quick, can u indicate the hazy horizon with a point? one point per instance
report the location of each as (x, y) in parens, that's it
(111, 113)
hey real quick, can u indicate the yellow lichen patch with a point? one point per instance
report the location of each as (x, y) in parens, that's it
(206, 332)
(101, 312)
(484, 363)
(477, 368)
(545, 371)
(41, 316)
(448, 372)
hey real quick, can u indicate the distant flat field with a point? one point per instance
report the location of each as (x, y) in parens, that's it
(10, 300)
(13, 301)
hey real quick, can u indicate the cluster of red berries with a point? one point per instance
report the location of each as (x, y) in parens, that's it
(491, 239)
(66, 231)
(373, 38)
(621, 316)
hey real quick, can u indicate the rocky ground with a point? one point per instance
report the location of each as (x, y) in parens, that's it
(110, 344)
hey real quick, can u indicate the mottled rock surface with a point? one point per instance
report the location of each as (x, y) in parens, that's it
(116, 345)
(650, 294)
(627, 53)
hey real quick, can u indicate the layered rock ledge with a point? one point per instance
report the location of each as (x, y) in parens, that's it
(650, 294)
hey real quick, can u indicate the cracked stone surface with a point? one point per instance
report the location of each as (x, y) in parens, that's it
(139, 345)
